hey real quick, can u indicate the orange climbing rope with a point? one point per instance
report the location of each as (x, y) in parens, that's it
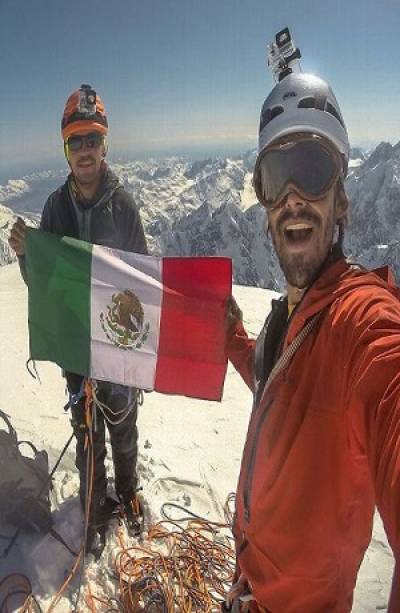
(186, 565)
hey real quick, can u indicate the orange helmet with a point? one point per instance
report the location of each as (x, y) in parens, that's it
(83, 113)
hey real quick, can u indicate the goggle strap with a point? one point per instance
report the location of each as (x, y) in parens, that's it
(66, 150)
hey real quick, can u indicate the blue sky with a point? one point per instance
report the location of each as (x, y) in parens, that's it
(178, 75)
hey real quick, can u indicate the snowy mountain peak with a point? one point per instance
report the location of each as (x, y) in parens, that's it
(382, 153)
(209, 207)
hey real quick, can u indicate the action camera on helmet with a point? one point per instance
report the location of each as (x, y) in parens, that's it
(283, 56)
(87, 100)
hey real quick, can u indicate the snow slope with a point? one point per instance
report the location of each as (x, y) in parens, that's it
(189, 452)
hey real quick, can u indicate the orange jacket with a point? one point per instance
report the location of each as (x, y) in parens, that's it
(323, 447)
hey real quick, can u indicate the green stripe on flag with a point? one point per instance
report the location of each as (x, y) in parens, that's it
(58, 275)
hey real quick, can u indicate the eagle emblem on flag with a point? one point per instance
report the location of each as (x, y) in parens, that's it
(123, 323)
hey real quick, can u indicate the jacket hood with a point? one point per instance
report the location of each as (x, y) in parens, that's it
(335, 281)
(110, 180)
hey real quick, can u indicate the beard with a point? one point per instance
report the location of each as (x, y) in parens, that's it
(84, 175)
(301, 269)
(87, 176)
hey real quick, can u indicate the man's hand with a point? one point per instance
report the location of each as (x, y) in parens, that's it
(17, 237)
(233, 313)
(239, 590)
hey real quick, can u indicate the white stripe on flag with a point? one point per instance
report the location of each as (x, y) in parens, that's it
(114, 272)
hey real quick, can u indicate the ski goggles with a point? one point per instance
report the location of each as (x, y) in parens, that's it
(309, 163)
(91, 140)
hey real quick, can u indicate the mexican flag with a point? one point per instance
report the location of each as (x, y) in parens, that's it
(149, 322)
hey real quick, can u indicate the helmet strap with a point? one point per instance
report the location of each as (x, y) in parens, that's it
(66, 151)
(105, 145)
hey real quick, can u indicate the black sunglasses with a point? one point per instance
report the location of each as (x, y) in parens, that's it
(91, 140)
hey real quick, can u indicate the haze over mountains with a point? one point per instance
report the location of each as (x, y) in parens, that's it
(208, 207)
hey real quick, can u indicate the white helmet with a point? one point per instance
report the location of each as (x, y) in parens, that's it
(303, 103)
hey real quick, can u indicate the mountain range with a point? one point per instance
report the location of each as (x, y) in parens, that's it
(208, 207)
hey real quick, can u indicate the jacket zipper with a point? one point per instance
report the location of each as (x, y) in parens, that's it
(280, 366)
(248, 482)
(86, 217)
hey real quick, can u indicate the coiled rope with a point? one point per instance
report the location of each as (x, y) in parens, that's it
(185, 565)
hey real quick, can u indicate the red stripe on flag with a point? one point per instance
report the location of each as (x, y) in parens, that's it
(191, 354)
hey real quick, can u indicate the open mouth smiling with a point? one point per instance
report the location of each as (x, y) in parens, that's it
(297, 232)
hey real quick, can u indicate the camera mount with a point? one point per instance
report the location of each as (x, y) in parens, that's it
(87, 100)
(283, 57)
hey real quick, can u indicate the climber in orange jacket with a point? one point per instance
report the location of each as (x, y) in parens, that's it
(323, 444)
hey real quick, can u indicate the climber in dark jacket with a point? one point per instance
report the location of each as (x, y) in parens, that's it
(93, 206)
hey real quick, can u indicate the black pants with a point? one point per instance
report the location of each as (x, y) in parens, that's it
(123, 438)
